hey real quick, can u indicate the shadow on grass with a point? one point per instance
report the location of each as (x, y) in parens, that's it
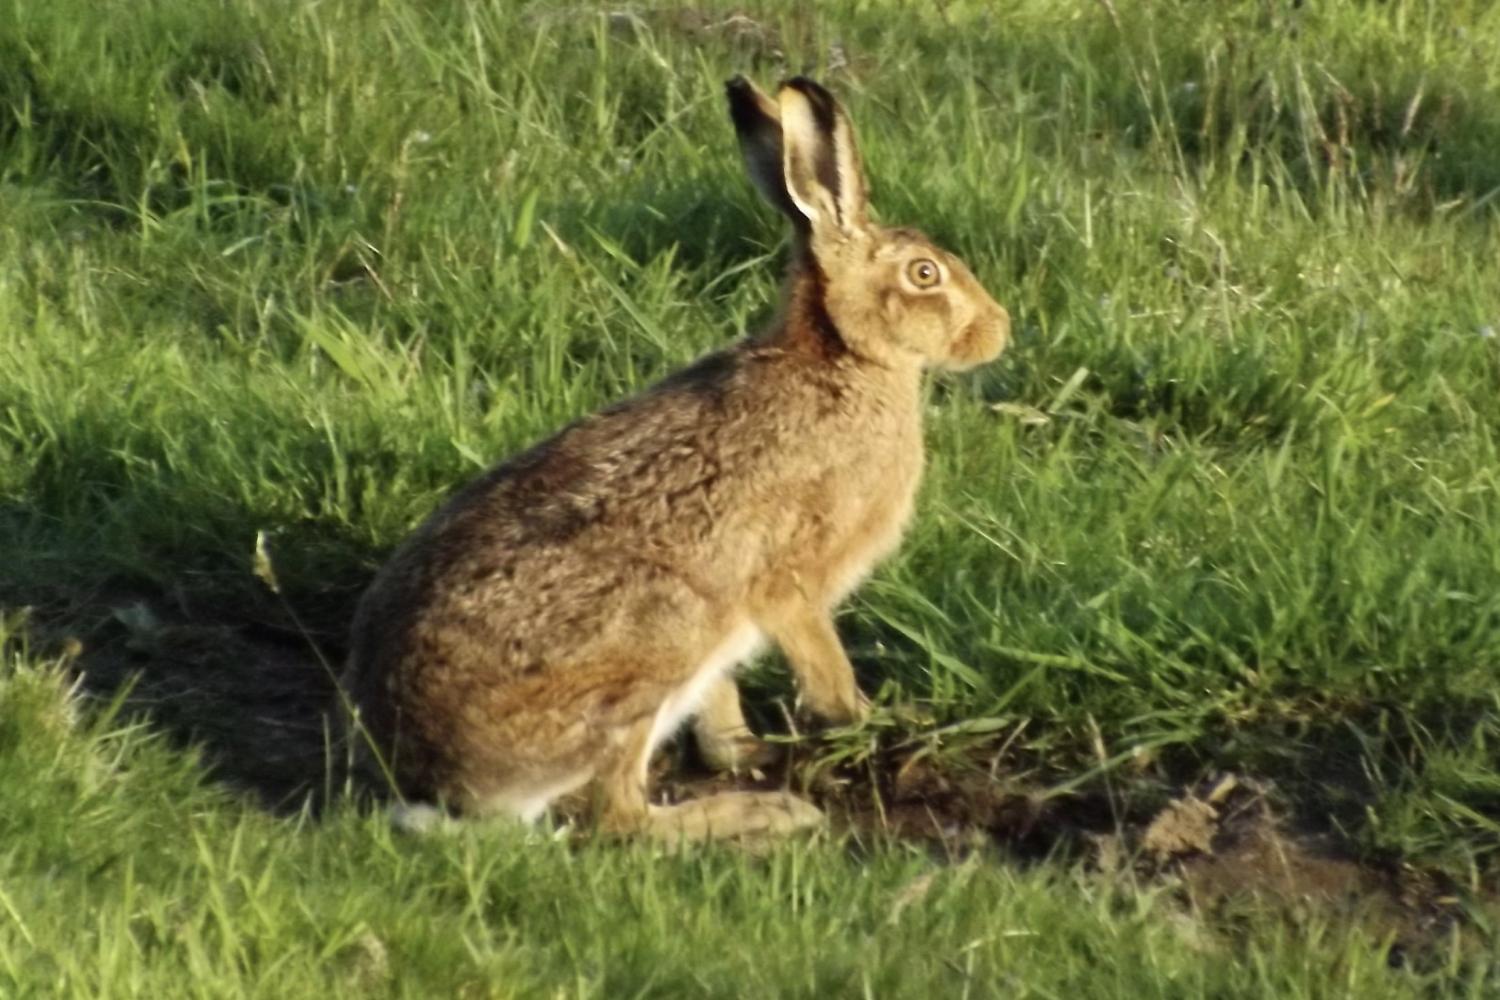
(245, 679)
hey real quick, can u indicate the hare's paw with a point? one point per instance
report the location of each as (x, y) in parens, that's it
(849, 708)
(724, 739)
(736, 754)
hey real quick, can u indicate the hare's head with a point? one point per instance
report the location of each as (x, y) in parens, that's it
(892, 295)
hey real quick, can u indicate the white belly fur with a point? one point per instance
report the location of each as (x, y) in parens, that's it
(736, 647)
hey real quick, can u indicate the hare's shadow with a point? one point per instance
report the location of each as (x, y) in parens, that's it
(245, 679)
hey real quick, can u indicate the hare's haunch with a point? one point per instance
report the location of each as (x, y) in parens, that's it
(559, 616)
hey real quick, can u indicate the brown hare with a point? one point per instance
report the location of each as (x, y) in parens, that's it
(564, 613)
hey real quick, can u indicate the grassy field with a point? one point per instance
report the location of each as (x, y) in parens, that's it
(275, 276)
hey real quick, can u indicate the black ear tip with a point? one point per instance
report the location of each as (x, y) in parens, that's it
(740, 93)
(811, 88)
(744, 110)
(824, 106)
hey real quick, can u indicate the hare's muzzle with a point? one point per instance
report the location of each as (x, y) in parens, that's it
(981, 340)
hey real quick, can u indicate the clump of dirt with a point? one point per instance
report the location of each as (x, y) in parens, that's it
(734, 29)
(751, 39)
(1187, 825)
(1232, 855)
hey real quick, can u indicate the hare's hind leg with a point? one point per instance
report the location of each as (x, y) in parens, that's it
(734, 814)
(724, 738)
(529, 800)
(625, 808)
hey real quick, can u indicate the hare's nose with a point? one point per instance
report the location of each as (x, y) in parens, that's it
(996, 337)
(1002, 327)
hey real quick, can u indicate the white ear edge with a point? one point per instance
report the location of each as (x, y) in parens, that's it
(853, 190)
(801, 141)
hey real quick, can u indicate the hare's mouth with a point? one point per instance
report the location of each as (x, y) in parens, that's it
(980, 341)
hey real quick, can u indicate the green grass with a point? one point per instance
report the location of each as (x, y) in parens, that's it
(121, 874)
(1232, 502)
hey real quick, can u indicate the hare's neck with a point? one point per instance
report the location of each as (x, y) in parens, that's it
(805, 326)
(806, 329)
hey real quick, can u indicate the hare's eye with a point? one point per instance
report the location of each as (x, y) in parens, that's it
(923, 273)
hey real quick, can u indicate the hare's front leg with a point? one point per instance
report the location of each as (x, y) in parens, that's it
(724, 738)
(825, 677)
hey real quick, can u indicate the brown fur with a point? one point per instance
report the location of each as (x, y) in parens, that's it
(545, 627)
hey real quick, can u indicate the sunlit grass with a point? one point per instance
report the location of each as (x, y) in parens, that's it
(1231, 502)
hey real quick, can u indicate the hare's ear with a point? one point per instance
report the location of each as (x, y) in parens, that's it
(820, 161)
(757, 123)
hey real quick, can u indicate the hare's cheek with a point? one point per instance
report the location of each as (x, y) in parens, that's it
(893, 307)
